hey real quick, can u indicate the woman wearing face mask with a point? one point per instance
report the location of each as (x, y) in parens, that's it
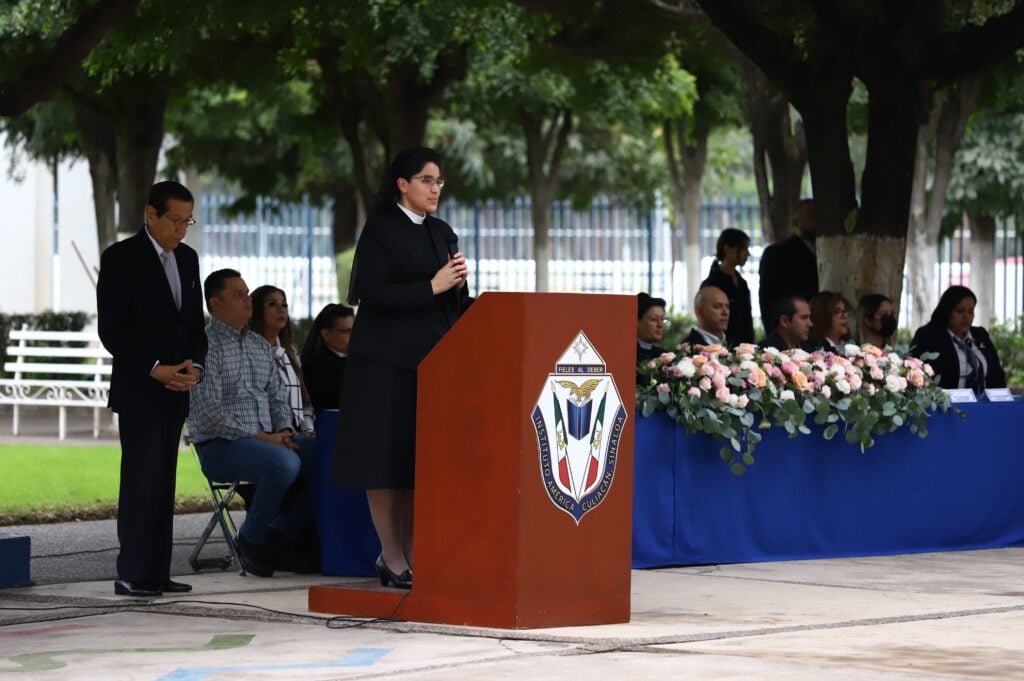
(966, 356)
(876, 319)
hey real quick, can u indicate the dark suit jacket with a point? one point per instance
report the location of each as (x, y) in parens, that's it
(324, 372)
(741, 320)
(775, 340)
(694, 338)
(933, 338)
(787, 268)
(400, 319)
(139, 324)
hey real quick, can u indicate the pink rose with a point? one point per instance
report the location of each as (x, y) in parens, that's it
(676, 371)
(705, 384)
(743, 402)
(855, 381)
(663, 388)
(826, 392)
(928, 370)
(707, 370)
(876, 373)
(693, 392)
(652, 364)
(788, 367)
(666, 357)
(722, 394)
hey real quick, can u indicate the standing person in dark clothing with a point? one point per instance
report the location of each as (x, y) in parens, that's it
(731, 253)
(409, 280)
(789, 268)
(325, 353)
(150, 304)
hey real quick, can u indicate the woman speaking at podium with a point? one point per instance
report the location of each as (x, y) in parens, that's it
(408, 279)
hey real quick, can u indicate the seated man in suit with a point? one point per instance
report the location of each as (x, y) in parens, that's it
(792, 319)
(650, 327)
(711, 306)
(241, 424)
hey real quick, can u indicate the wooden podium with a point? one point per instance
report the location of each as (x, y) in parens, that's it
(524, 470)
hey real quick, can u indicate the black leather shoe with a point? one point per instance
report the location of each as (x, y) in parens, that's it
(172, 587)
(122, 587)
(256, 558)
(389, 578)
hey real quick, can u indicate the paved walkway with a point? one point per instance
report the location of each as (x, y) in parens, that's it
(925, 616)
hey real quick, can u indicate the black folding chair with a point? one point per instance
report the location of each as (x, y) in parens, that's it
(221, 495)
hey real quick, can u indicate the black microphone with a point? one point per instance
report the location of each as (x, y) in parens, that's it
(453, 245)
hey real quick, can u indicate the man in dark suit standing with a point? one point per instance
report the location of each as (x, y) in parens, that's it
(790, 267)
(150, 304)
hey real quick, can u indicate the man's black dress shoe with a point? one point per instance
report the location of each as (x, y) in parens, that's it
(122, 587)
(172, 587)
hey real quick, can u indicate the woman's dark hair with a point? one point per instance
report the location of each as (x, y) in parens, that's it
(644, 302)
(406, 164)
(823, 307)
(161, 192)
(331, 313)
(734, 238)
(258, 323)
(951, 297)
(869, 304)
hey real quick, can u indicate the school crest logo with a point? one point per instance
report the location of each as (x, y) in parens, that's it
(579, 419)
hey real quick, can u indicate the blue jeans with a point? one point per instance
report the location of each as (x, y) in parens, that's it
(275, 470)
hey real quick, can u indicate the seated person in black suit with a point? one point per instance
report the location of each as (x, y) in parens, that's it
(792, 319)
(650, 327)
(711, 306)
(325, 353)
(790, 267)
(830, 319)
(967, 358)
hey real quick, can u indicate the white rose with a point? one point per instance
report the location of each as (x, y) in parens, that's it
(787, 395)
(851, 350)
(748, 365)
(687, 367)
(774, 352)
(895, 359)
(837, 370)
(892, 383)
(843, 386)
(734, 400)
(801, 355)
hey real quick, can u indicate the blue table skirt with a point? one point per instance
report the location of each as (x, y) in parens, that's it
(962, 487)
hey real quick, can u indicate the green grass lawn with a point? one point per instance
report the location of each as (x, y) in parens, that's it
(40, 479)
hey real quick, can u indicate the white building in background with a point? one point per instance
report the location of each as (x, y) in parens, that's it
(32, 277)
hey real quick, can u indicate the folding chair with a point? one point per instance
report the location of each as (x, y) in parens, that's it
(221, 494)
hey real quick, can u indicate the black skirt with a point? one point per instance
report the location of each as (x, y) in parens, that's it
(375, 447)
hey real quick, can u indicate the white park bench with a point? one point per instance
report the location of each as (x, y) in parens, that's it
(86, 363)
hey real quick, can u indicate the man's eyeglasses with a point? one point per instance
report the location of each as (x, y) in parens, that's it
(430, 182)
(182, 222)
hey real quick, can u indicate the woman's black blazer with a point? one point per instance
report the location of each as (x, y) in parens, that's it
(934, 338)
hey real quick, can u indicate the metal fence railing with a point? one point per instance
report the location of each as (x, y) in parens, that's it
(607, 248)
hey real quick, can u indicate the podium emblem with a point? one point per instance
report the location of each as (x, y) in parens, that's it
(578, 418)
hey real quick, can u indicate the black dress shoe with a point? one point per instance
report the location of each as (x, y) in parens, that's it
(122, 587)
(172, 587)
(389, 578)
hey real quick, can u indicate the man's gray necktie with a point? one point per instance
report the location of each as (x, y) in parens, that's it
(171, 270)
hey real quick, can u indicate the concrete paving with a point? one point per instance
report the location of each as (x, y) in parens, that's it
(939, 615)
(925, 616)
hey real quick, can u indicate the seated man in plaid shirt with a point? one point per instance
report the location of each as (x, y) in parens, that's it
(241, 422)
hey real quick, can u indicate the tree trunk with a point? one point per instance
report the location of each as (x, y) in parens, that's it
(785, 145)
(139, 136)
(344, 214)
(946, 124)
(98, 141)
(544, 152)
(695, 154)
(983, 258)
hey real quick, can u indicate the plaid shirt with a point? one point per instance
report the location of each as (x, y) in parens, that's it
(241, 393)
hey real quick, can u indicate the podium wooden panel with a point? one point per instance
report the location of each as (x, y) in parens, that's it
(491, 547)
